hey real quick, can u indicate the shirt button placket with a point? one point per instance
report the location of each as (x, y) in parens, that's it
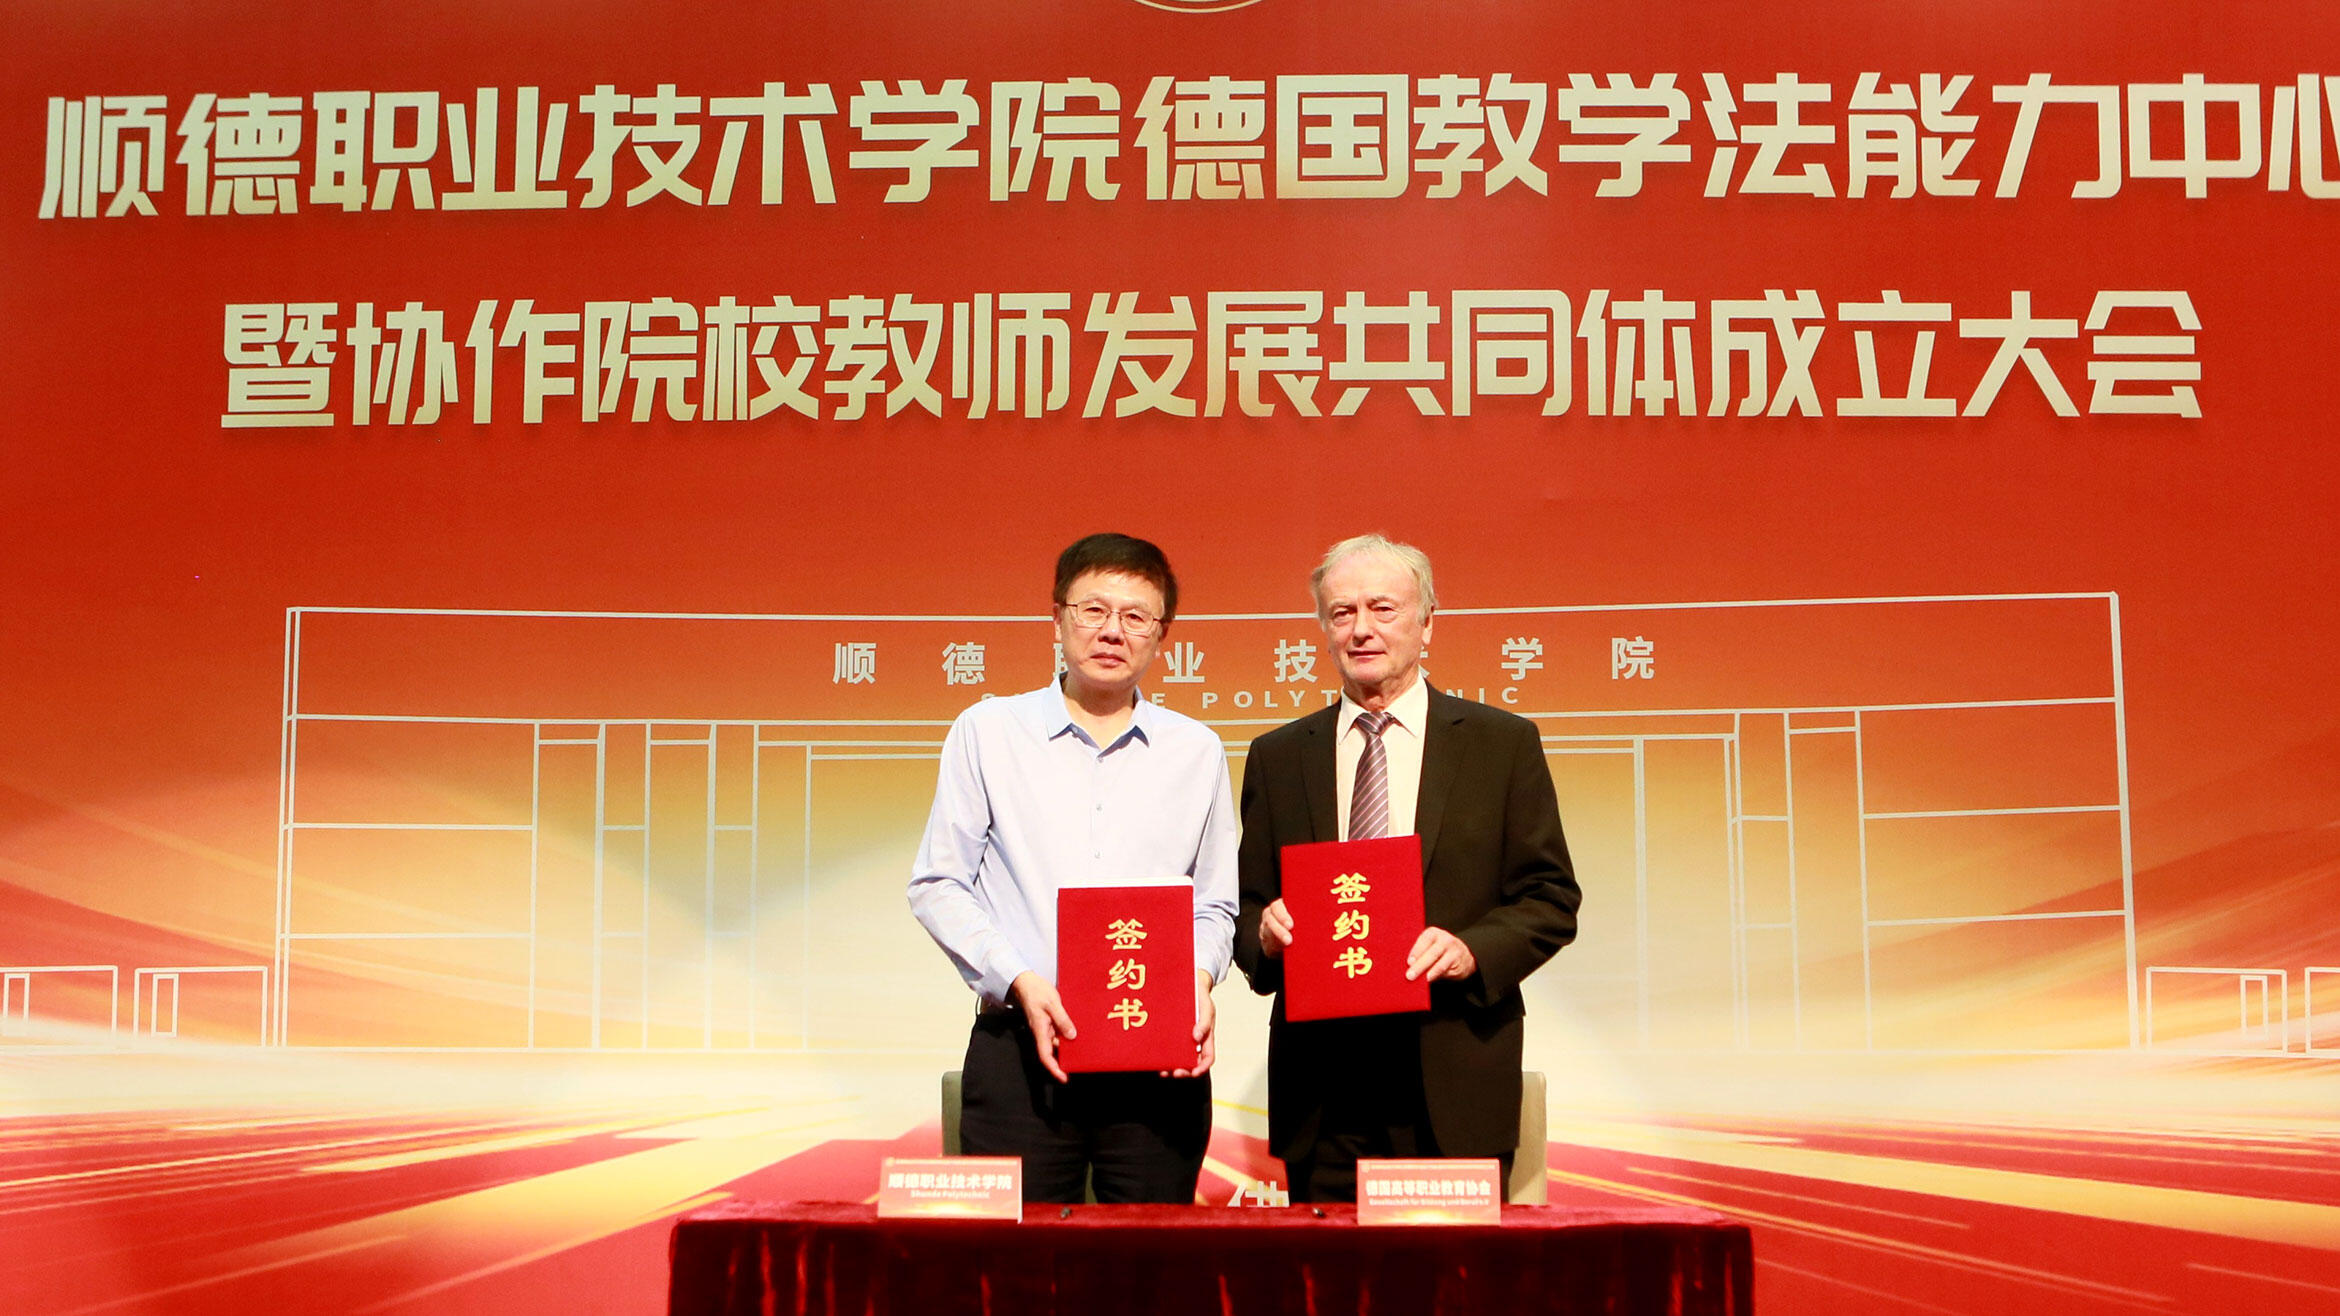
(1097, 811)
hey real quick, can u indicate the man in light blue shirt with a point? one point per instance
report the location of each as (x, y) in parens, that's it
(1080, 781)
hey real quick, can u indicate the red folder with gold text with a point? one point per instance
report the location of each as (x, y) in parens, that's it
(1125, 969)
(1356, 911)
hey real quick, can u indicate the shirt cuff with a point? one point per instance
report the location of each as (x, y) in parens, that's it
(999, 976)
(1212, 959)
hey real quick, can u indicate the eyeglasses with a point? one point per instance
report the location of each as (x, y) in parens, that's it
(1090, 615)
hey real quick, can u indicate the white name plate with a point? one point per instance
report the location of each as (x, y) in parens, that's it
(968, 1187)
(1430, 1192)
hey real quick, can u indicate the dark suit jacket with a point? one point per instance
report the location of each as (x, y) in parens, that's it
(1495, 873)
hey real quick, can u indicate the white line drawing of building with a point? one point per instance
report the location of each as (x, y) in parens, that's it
(1820, 858)
(2318, 1038)
(22, 1023)
(2254, 1021)
(156, 994)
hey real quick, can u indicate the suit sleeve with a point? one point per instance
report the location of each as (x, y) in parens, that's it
(1536, 912)
(1260, 870)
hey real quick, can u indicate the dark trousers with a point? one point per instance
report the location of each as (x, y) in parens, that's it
(1379, 1112)
(1140, 1136)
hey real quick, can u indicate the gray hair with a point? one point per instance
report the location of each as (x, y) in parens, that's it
(1414, 560)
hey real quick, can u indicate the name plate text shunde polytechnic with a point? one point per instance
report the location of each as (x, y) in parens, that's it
(969, 1187)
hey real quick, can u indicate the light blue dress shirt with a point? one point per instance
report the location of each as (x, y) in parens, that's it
(1027, 802)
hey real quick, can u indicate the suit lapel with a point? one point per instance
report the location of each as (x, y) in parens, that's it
(1317, 772)
(1442, 752)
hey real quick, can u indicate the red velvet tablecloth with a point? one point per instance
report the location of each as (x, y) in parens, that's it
(832, 1258)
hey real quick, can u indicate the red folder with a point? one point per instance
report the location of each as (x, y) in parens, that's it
(1125, 968)
(1356, 911)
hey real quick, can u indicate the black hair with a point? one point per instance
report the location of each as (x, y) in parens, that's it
(1122, 555)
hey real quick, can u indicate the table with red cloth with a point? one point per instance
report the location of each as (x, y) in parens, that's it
(830, 1258)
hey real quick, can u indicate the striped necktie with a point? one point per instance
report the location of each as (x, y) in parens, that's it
(1369, 801)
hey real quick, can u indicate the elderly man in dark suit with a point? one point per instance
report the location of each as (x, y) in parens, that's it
(1499, 894)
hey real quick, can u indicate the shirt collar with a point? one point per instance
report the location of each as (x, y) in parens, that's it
(1411, 711)
(1146, 718)
(1050, 717)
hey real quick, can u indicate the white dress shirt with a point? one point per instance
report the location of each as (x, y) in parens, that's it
(1401, 741)
(1026, 803)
